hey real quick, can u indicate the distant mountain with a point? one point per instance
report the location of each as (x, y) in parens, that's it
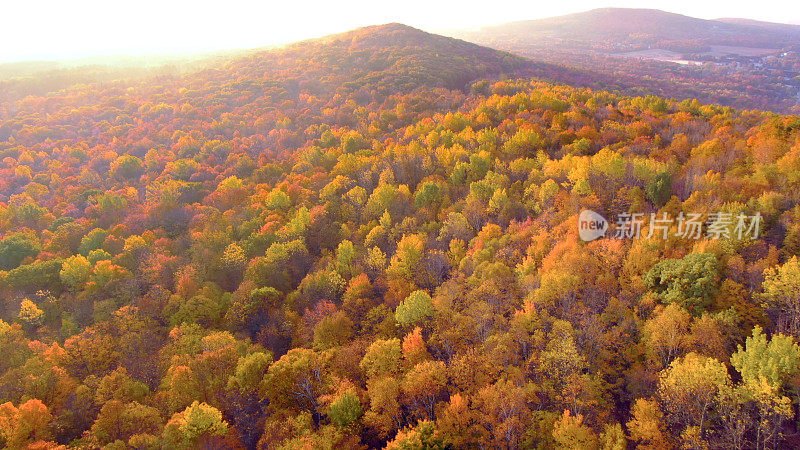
(788, 29)
(642, 26)
(734, 62)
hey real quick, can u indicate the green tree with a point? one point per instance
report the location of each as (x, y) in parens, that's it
(690, 282)
(774, 361)
(428, 194)
(15, 248)
(127, 167)
(415, 308)
(193, 426)
(659, 189)
(345, 258)
(345, 409)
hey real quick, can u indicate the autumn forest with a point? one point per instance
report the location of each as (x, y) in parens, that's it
(371, 240)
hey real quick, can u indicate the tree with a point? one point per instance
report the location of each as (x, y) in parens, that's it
(75, 270)
(774, 361)
(414, 349)
(254, 310)
(118, 385)
(13, 345)
(659, 189)
(127, 167)
(428, 195)
(120, 421)
(423, 386)
(358, 298)
(613, 438)
(406, 263)
(690, 282)
(204, 308)
(666, 334)
(20, 427)
(414, 309)
(30, 315)
(250, 372)
(384, 412)
(646, 426)
(345, 257)
(15, 248)
(298, 380)
(345, 409)
(91, 352)
(502, 412)
(382, 358)
(37, 276)
(423, 435)
(193, 426)
(569, 432)
(782, 295)
(689, 388)
(333, 331)
(282, 266)
(244, 405)
(181, 387)
(321, 285)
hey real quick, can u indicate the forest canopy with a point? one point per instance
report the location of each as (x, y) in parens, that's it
(372, 241)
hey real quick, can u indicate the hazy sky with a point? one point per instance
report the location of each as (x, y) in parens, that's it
(68, 29)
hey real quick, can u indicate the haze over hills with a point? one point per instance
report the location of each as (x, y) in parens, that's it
(637, 27)
(375, 61)
(741, 63)
(368, 65)
(586, 49)
(391, 55)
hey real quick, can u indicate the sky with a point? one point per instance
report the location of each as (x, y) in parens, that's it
(73, 29)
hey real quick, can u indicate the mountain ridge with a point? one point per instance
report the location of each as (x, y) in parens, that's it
(622, 22)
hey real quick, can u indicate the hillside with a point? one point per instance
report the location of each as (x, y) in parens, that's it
(388, 58)
(355, 242)
(739, 63)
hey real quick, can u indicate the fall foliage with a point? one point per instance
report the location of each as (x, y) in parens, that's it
(371, 241)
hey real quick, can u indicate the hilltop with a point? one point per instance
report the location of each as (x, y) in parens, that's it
(390, 56)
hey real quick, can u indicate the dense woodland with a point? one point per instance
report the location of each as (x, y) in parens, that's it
(371, 241)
